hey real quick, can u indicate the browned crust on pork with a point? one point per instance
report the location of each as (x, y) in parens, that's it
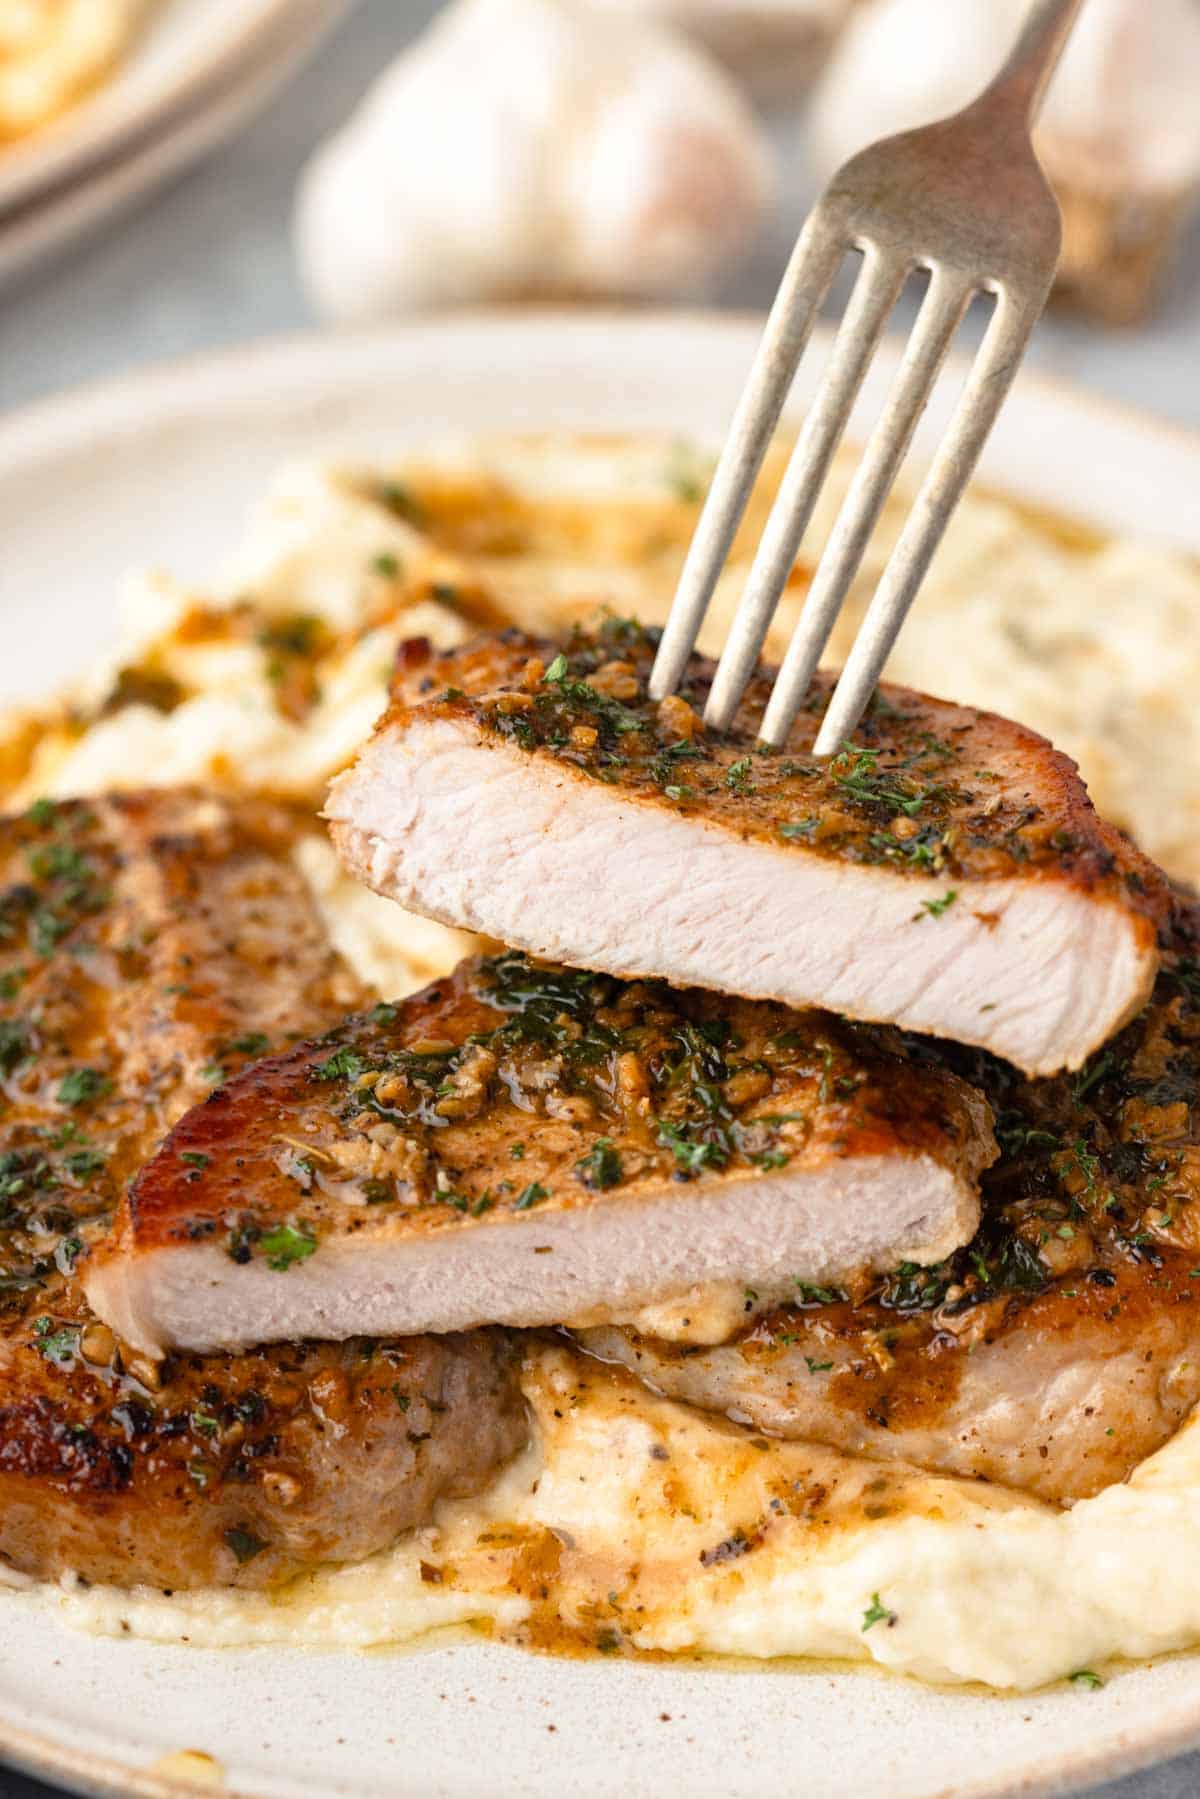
(532, 1115)
(151, 944)
(976, 796)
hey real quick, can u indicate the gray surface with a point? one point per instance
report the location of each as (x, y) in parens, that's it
(208, 263)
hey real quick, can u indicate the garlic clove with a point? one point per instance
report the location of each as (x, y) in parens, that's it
(774, 47)
(1119, 135)
(531, 147)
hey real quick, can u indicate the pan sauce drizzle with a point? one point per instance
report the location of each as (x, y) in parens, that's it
(638, 1527)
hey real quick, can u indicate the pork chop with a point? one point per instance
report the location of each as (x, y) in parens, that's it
(149, 947)
(945, 871)
(526, 1145)
(1060, 1347)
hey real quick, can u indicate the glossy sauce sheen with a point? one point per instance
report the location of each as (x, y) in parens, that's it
(1059, 1348)
(516, 1089)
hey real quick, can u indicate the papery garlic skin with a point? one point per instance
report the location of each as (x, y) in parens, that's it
(776, 48)
(1126, 91)
(1119, 135)
(1127, 96)
(530, 148)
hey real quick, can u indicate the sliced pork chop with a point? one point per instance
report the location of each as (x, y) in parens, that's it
(149, 946)
(1060, 1347)
(525, 1145)
(945, 872)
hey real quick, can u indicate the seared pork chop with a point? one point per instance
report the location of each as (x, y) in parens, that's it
(149, 947)
(945, 871)
(526, 1145)
(1062, 1345)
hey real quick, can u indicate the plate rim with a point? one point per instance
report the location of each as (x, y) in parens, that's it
(103, 121)
(41, 424)
(138, 399)
(104, 1777)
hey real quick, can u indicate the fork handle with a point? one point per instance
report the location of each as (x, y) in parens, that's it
(1022, 82)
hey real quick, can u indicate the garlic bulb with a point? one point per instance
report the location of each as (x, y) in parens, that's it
(776, 47)
(529, 148)
(1119, 134)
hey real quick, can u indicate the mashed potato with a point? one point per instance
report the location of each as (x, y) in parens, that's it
(52, 51)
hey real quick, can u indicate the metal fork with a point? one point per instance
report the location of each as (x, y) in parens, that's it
(966, 200)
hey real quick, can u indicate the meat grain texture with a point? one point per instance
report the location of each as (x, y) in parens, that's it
(150, 946)
(1061, 1346)
(530, 1145)
(945, 871)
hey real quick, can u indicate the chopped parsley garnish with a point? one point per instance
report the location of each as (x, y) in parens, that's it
(83, 1163)
(691, 1150)
(531, 1195)
(296, 635)
(244, 1544)
(286, 1244)
(935, 908)
(57, 1345)
(402, 502)
(811, 1295)
(877, 1613)
(81, 1085)
(858, 777)
(15, 1045)
(344, 1064)
(601, 1166)
(1085, 1677)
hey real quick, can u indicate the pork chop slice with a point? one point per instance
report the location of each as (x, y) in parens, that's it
(1055, 1351)
(945, 871)
(525, 1144)
(150, 945)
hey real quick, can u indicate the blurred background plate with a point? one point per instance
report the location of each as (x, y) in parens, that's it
(213, 113)
(184, 46)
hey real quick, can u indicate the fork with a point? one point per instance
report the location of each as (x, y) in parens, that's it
(966, 200)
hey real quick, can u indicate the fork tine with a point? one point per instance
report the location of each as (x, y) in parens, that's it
(875, 294)
(814, 263)
(989, 381)
(941, 313)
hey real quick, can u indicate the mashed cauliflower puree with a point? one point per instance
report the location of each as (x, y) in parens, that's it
(633, 1523)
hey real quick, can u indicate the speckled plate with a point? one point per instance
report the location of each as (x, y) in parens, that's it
(160, 468)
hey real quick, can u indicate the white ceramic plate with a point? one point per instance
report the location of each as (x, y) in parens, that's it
(160, 468)
(186, 45)
(38, 229)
